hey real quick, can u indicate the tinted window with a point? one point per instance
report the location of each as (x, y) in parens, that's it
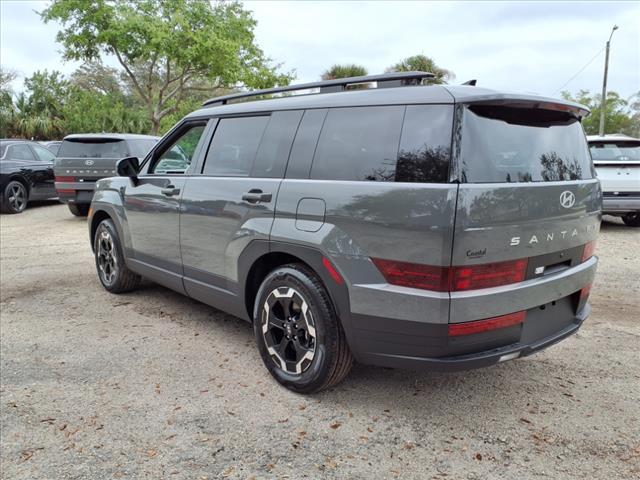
(425, 144)
(358, 144)
(621, 151)
(304, 145)
(43, 154)
(93, 148)
(276, 144)
(3, 148)
(234, 146)
(20, 152)
(140, 148)
(176, 158)
(505, 144)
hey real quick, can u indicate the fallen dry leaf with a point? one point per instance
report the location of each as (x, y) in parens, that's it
(229, 471)
(152, 452)
(335, 425)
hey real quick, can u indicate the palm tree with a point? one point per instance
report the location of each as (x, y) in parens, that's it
(422, 63)
(344, 71)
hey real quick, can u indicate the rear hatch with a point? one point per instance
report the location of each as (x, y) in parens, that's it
(528, 204)
(88, 159)
(617, 164)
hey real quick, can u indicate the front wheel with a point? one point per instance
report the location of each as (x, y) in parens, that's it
(79, 209)
(298, 333)
(631, 219)
(112, 271)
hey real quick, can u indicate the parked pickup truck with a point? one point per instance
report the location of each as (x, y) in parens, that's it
(85, 158)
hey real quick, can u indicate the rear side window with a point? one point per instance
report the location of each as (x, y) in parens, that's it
(275, 146)
(234, 146)
(359, 143)
(507, 144)
(425, 145)
(20, 152)
(93, 148)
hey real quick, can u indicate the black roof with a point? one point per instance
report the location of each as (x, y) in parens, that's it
(432, 94)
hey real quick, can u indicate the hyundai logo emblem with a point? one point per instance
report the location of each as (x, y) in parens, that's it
(567, 199)
(89, 162)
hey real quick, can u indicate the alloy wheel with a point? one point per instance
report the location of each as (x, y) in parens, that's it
(289, 330)
(107, 261)
(17, 197)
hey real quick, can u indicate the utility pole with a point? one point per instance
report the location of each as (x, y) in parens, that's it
(603, 102)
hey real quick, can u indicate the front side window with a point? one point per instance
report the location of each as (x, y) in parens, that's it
(234, 146)
(20, 152)
(359, 143)
(177, 157)
(508, 144)
(43, 154)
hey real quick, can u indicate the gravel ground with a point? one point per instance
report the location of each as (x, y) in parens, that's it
(154, 385)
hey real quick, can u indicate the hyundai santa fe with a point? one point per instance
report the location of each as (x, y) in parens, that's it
(407, 225)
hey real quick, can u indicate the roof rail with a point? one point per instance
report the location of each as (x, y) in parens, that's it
(394, 79)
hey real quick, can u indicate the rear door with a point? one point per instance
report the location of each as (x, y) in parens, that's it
(43, 173)
(528, 203)
(152, 204)
(230, 202)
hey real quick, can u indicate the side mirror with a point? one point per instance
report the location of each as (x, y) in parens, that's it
(128, 167)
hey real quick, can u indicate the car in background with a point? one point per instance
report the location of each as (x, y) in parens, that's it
(85, 158)
(617, 162)
(26, 174)
(53, 145)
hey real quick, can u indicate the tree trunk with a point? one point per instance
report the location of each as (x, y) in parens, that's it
(155, 126)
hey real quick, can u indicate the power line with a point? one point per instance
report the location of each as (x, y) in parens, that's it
(580, 71)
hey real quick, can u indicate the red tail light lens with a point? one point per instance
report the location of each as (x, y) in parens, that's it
(589, 250)
(65, 179)
(479, 326)
(414, 275)
(488, 275)
(443, 279)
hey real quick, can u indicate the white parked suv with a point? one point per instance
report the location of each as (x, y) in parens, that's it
(617, 162)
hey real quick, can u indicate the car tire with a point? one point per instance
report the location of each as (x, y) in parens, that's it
(299, 335)
(79, 209)
(631, 219)
(112, 271)
(14, 197)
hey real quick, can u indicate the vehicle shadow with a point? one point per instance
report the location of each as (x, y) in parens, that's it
(613, 224)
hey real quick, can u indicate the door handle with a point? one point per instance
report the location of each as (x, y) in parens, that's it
(170, 191)
(256, 196)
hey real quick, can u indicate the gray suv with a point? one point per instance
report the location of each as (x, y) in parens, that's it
(438, 227)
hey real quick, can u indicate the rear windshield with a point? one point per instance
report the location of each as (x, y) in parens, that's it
(508, 144)
(90, 148)
(622, 151)
(140, 148)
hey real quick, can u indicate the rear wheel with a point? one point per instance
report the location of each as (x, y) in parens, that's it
(79, 209)
(112, 271)
(298, 333)
(631, 219)
(14, 197)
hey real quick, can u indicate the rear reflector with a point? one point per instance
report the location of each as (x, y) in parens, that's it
(589, 250)
(443, 279)
(332, 271)
(584, 295)
(415, 275)
(479, 326)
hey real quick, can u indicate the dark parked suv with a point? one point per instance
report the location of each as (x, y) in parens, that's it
(440, 227)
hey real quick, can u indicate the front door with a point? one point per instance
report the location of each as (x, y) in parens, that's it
(152, 206)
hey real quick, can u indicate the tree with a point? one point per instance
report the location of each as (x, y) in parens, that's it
(621, 116)
(6, 102)
(167, 48)
(422, 63)
(344, 71)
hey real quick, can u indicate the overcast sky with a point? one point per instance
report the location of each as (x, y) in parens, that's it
(527, 46)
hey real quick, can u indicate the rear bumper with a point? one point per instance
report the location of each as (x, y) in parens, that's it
(614, 204)
(484, 358)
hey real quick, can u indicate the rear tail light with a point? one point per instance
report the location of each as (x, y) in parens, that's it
(479, 326)
(589, 250)
(444, 279)
(415, 275)
(488, 275)
(65, 180)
